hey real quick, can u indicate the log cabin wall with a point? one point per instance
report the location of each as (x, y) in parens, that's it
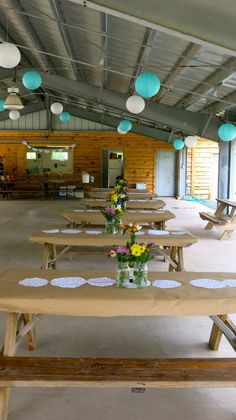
(139, 152)
(200, 173)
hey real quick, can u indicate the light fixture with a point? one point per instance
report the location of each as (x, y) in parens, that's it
(13, 101)
(9, 55)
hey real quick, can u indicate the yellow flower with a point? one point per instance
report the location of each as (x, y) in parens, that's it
(137, 250)
(114, 198)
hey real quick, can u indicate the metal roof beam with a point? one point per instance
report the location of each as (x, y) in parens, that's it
(217, 107)
(213, 80)
(104, 23)
(177, 119)
(178, 69)
(144, 53)
(177, 19)
(103, 118)
(31, 32)
(58, 15)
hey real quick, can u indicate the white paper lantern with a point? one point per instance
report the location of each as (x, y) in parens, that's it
(14, 115)
(121, 131)
(56, 108)
(9, 55)
(190, 141)
(135, 104)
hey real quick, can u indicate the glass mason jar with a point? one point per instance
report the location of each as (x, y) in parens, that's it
(140, 275)
(122, 274)
(112, 228)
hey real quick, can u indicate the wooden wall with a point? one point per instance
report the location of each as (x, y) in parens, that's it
(139, 152)
(199, 168)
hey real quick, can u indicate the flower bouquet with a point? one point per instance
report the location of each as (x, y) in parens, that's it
(113, 219)
(132, 259)
(118, 196)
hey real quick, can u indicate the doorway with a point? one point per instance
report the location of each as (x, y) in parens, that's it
(113, 161)
(166, 173)
(214, 175)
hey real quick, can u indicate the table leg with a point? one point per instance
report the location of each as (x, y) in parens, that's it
(9, 350)
(173, 257)
(53, 254)
(47, 256)
(226, 234)
(216, 334)
(180, 259)
(31, 335)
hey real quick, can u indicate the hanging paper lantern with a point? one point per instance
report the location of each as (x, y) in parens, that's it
(125, 125)
(14, 115)
(121, 131)
(227, 132)
(190, 141)
(178, 144)
(9, 55)
(64, 117)
(135, 104)
(2, 102)
(147, 84)
(32, 80)
(56, 108)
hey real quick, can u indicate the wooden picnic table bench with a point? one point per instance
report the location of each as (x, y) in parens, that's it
(221, 220)
(185, 300)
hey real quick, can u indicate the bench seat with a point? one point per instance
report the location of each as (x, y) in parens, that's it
(141, 373)
(212, 218)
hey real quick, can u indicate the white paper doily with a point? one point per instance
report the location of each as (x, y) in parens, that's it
(51, 231)
(93, 232)
(101, 281)
(131, 211)
(68, 282)
(133, 286)
(160, 211)
(139, 233)
(230, 282)
(145, 211)
(33, 282)
(79, 211)
(208, 283)
(92, 211)
(166, 284)
(178, 232)
(71, 231)
(157, 232)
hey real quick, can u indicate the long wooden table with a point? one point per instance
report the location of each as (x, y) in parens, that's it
(111, 302)
(130, 204)
(50, 241)
(225, 222)
(157, 218)
(131, 195)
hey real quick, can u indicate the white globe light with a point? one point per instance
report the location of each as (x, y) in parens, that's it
(14, 115)
(121, 131)
(135, 104)
(56, 108)
(9, 55)
(190, 141)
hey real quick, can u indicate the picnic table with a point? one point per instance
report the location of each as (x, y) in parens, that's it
(224, 217)
(107, 190)
(130, 204)
(173, 240)
(131, 195)
(77, 217)
(185, 300)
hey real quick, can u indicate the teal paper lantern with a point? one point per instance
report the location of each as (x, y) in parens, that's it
(125, 125)
(2, 102)
(147, 84)
(227, 132)
(32, 80)
(178, 144)
(64, 117)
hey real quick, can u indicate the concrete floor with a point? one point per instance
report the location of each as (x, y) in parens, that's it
(141, 337)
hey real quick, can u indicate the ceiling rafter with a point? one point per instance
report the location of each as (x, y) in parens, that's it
(58, 15)
(144, 53)
(31, 31)
(178, 69)
(104, 76)
(213, 80)
(217, 107)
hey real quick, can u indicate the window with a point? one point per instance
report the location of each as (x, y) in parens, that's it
(59, 155)
(31, 156)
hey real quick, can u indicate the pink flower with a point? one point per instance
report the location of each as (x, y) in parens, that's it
(123, 250)
(112, 253)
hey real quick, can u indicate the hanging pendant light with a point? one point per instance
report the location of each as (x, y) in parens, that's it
(13, 101)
